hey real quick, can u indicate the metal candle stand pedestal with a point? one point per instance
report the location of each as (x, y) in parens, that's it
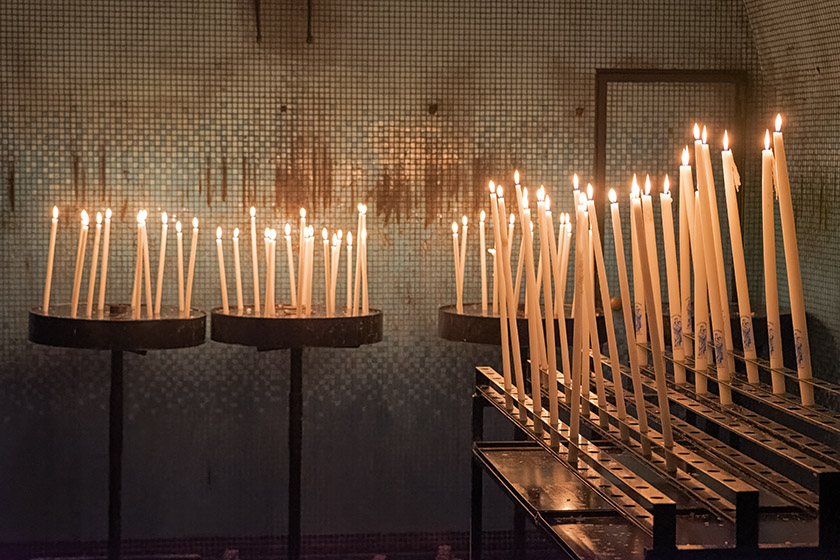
(118, 332)
(283, 331)
(756, 479)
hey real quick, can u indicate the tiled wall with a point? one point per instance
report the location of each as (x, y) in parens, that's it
(409, 106)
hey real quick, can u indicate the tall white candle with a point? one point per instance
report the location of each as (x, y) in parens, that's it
(191, 268)
(222, 278)
(686, 203)
(180, 236)
(290, 261)
(731, 182)
(627, 311)
(240, 305)
(483, 253)
(495, 288)
(301, 261)
(80, 263)
(463, 254)
(268, 310)
(771, 288)
(794, 274)
(702, 327)
(358, 279)
(147, 269)
(674, 301)
(161, 261)
(638, 287)
(336, 250)
(310, 265)
(50, 258)
(615, 364)
(510, 233)
(326, 244)
(93, 264)
(106, 246)
(365, 296)
(138, 270)
(551, 347)
(592, 322)
(255, 266)
(498, 235)
(580, 356)
(349, 274)
(272, 250)
(653, 259)
(531, 300)
(559, 310)
(653, 325)
(729, 357)
(459, 305)
(564, 259)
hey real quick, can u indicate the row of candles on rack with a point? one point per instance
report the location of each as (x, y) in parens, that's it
(300, 288)
(700, 255)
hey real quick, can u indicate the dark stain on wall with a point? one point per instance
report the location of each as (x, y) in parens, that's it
(224, 179)
(392, 194)
(10, 182)
(103, 187)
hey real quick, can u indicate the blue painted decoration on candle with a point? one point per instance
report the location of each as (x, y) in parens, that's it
(702, 339)
(771, 338)
(797, 342)
(676, 326)
(718, 347)
(638, 313)
(747, 333)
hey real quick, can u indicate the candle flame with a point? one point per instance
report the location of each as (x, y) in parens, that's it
(492, 187)
(107, 213)
(634, 191)
(582, 199)
(236, 233)
(696, 132)
(500, 192)
(512, 218)
(164, 218)
(767, 139)
(272, 234)
(85, 218)
(464, 220)
(575, 181)
(516, 176)
(324, 234)
(725, 140)
(635, 184)
(685, 156)
(541, 194)
(360, 207)
(647, 184)
(99, 218)
(349, 238)
(219, 232)
(55, 212)
(589, 191)
(779, 122)
(195, 223)
(140, 217)
(265, 233)
(454, 228)
(568, 226)
(311, 230)
(524, 198)
(482, 216)
(253, 211)
(340, 234)
(613, 196)
(666, 188)
(704, 135)
(303, 212)
(178, 226)
(547, 203)
(334, 240)
(288, 229)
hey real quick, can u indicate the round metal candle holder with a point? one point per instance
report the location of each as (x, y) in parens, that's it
(119, 331)
(473, 326)
(287, 330)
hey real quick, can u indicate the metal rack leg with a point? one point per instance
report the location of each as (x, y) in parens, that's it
(115, 445)
(477, 498)
(295, 442)
(518, 513)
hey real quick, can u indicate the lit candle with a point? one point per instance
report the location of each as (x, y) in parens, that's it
(483, 252)
(701, 303)
(459, 305)
(564, 259)
(794, 275)
(180, 237)
(686, 211)
(93, 264)
(105, 250)
(310, 265)
(510, 234)
(326, 243)
(302, 269)
(635, 372)
(554, 253)
(705, 232)
(674, 302)
(492, 252)
(357, 281)
(272, 251)
(720, 271)
(576, 200)
(520, 264)
(498, 228)
(463, 254)
(80, 263)
(236, 268)
(365, 298)
(559, 305)
(255, 267)
(138, 269)
(559, 285)
(551, 347)
(591, 321)
(580, 353)
(771, 288)
(349, 273)
(191, 268)
(147, 269)
(222, 279)
(161, 261)
(638, 288)
(650, 237)
(335, 249)
(301, 255)
(50, 258)
(615, 364)
(291, 262)
(653, 325)
(269, 275)
(731, 182)
(534, 316)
